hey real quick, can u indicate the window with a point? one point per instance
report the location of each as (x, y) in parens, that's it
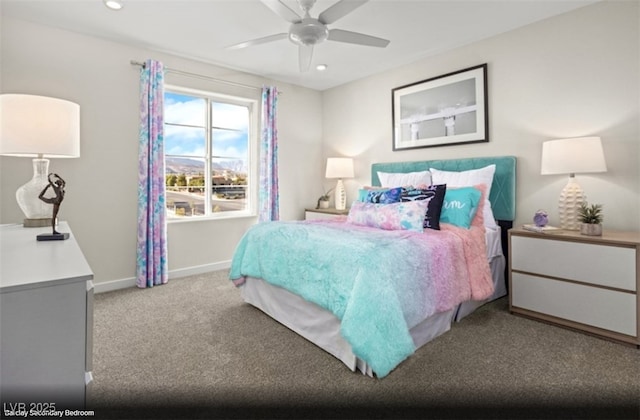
(207, 154)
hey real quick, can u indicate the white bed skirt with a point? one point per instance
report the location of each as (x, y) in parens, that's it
(321, 327)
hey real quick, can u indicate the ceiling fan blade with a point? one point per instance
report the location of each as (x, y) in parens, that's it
(258, 41)
(356, 38)
(305, 52)
(340, 9)
(282, 10)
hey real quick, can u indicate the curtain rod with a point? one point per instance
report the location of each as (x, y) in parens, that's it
(201, 76)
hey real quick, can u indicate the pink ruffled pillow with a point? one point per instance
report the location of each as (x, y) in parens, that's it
(397, 216)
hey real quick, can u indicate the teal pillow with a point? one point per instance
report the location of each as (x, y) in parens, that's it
(460, 206)
(362, 195)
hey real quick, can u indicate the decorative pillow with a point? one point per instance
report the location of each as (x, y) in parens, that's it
(434, 195)
(364, 191)
(460, 206)
(362, 194)
(396, 216)
(468, 179)
(380, 196)
(404, 179)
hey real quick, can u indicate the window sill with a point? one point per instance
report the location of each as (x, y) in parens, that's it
(239, 215)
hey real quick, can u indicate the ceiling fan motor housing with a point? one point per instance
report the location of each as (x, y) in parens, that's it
(308, 32)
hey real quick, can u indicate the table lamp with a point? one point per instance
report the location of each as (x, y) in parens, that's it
(38, 127)
(340, 168)
(572, 156)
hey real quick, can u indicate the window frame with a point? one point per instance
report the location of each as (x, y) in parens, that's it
(252, 105)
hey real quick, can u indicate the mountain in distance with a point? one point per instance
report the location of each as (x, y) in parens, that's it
(187, 166)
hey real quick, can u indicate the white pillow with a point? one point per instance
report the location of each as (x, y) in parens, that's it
(469, 179)
(404, 179)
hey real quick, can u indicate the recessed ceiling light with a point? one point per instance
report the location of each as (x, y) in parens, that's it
(321, 67)
(113, 4)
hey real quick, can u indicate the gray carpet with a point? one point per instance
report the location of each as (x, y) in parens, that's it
(193, 349)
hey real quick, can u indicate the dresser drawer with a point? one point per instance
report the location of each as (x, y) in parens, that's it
(603, 308)
(604, 265)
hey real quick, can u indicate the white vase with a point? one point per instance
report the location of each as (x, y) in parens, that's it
(591, 229)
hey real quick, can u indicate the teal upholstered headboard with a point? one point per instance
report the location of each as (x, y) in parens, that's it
(503, 189)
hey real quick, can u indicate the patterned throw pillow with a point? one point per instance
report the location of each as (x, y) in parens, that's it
(397, 216)
(380, 196)
(434, 196)
(460, 206)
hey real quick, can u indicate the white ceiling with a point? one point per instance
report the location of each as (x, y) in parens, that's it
(201, 29)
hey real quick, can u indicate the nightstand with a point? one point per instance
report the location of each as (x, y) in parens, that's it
(311, 214)
(588, 283)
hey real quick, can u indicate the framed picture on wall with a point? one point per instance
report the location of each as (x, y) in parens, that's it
(442, 111)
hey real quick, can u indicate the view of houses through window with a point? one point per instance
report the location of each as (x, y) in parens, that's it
(206, 154)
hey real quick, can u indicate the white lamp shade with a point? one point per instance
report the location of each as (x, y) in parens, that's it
(32, 125)
(339, 168)
(572, 156)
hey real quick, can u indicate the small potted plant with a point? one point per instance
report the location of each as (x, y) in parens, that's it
(323, 201)
(591, 218)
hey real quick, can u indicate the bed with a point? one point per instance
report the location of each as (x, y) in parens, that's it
(403, 302)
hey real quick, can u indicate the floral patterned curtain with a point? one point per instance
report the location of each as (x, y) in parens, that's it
(268, 203)
(151, 258)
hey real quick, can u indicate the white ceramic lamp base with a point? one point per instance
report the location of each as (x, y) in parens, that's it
(340, 196)
(37, 212)
(570, 200)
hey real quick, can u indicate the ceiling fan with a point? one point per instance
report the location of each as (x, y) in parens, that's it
(306, 31)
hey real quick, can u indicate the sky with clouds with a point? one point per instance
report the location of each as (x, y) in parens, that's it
(230, 141)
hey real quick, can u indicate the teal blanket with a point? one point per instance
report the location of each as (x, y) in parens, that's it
(378, 283)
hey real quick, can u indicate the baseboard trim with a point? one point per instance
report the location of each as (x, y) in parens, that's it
(109, 286)
(199, 269)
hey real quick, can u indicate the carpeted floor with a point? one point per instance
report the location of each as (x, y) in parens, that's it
(193, 349)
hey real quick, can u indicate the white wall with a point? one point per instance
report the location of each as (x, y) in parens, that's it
(572, 75)
(100, 204)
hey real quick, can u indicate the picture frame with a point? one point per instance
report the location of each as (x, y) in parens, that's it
(442, 111)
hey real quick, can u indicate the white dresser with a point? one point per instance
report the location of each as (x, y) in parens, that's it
(589, 283)
(46, 320)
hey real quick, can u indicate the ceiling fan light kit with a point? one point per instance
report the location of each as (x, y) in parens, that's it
(306, 32)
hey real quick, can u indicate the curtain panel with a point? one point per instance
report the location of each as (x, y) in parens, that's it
(151, 258)
(268, 203)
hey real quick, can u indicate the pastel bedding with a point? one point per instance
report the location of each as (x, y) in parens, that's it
(379, 283)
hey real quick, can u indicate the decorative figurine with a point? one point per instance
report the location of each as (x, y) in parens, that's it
(541, 218)
(57, 184)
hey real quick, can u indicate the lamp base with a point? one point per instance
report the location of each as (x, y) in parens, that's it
(28, 194)
(53, 236)
(569, 203)
(36, 222)
(341, 196)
